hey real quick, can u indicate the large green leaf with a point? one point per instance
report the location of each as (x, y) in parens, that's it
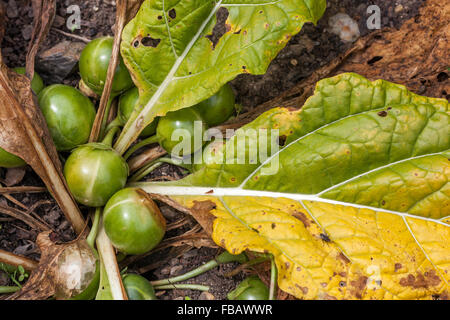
(372, 143)
(360, 204)
(179, 52)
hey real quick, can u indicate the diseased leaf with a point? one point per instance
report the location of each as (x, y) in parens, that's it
(191, 40)
(336, 251)
(359, 206)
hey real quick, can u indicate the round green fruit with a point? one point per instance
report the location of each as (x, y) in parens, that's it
(93, 64)
(138, 288)
(133, 221)
(178, 128)
(69, 115)
(36, 84)
(251, 288)
(94, 172)
(218, 108)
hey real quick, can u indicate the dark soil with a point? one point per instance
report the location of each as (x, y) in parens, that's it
(312, 48)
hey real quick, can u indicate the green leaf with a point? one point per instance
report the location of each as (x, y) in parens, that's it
(104, 290)
(179, 53)
(376, 138)
(360, 203)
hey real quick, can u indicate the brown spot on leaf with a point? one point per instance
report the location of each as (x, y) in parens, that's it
(358, 286)
(397, 267)
(421, 280)
(302, 217)
(273, 225)
(303, 289)
(382, 113)
(220, 27)
(150, 42)
(343, 258)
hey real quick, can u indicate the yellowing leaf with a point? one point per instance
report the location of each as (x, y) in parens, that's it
(331, 251)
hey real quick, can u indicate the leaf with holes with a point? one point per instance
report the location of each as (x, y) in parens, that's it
(354, 204)
(181, 52)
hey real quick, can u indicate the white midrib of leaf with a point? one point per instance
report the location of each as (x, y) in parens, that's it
(129, 135)
(236, 192)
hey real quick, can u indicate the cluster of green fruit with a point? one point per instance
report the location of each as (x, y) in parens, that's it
(95, 173)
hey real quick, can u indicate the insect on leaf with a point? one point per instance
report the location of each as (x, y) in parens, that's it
(359, 201)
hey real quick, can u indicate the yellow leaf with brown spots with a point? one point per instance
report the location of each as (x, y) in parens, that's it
(332, 251)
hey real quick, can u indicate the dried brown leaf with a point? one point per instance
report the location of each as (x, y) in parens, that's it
(145, 157)
(417, 55)
(23, 216)
(23, 130)
(49, 277)
(41, 284)
(15, 260)
(44, 13)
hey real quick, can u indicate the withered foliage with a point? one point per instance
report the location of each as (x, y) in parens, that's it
(23, 130)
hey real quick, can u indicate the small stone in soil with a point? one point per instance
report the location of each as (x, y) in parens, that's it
(206, 296)
(175, 270)
(27, 31)
(59, 61)
(11, 9)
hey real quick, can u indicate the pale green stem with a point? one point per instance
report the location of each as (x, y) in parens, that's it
(145, 171)
(94, 230)
(140, 144)
(115, 123)
(106, 115)
(110, 136)
(182, 286)
(141, 173)
(8, 289)
(198, 271)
